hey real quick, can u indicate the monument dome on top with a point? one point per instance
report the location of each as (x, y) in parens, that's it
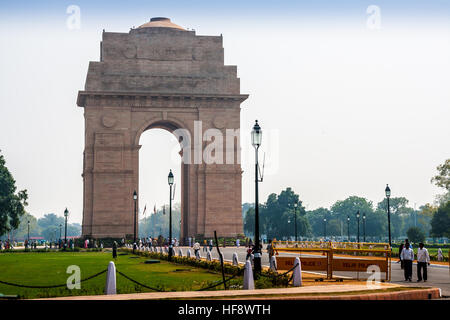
(161, 22)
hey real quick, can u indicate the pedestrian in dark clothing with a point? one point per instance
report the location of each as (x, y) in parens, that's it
(399, 255)
(115, 250)
(408, 257)
(423, 259)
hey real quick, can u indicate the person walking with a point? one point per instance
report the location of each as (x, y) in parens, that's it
(423, 259)
(114, 251)
(196, 248)
(270, 250)
(400, 249)
(439, 255)
(408, 257)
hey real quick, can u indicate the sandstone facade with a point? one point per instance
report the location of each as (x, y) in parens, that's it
(158, 76)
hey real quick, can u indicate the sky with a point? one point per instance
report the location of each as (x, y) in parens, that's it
(350, 95)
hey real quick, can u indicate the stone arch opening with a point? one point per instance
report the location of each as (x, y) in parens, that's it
(171, 153)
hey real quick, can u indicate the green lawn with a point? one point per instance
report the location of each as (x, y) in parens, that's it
(431, 251)
(44, 269)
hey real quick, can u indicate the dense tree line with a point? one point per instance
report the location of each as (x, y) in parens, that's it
(276, 216)
(156, 224)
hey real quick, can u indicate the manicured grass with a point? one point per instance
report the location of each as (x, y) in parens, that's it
(431, 251)
(46, 269)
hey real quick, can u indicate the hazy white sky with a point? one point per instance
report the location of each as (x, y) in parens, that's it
(344, 109)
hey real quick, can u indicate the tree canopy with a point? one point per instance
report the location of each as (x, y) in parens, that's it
(12, 203)
(442, 179)
(277, 216)
(440, 224)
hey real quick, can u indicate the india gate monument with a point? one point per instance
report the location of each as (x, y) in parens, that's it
(160, 75)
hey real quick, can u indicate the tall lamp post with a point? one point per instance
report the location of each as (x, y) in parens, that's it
(170, 180)
(135, 206)
(388, 195)
(325, 228)
(357, 216)
(28, 242)
(348, 228)
(66, 215)
(256, 142)
(364, 227)
(295, 220)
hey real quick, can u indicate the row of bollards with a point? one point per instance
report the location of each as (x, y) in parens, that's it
(249, 283)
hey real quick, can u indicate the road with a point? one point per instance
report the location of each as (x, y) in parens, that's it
(438, 275)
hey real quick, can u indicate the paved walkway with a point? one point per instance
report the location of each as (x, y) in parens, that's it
(232, 293)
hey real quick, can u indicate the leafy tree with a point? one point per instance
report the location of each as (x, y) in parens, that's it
(398, 209)
(275, 214)
(315, 219)
(22, 231)
(440, 224)
(348, 208)
(249, 222)
(50, 219)
(158, 223)
(52, 232)
(442, 179)
(12, 203)
(415, 235)
(50, 225)
(245, 207)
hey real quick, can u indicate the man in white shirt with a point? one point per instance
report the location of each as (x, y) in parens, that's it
(423, 259)
(407, 256)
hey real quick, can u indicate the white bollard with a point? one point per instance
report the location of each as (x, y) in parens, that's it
(273, 263)
(208, 256)
(249, 283)
(188, 253)
(110, 287)
(235, 259)
(297, 277)
(180, 252)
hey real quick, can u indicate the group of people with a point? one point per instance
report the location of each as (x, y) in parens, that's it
(94, 244)
(406, 255)
(7, 245)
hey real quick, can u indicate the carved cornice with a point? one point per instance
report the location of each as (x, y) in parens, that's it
(152, 99)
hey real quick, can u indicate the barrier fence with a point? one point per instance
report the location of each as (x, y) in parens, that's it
(335, 256)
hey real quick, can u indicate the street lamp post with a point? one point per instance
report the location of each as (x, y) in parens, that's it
(28, 242)
(357, 216)
(348, 228)
(388, 195)
(256, 142)
(66, 215)
(364, 227)
(325, 228)
(295, 220)
(134, 235)
(170, 179)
